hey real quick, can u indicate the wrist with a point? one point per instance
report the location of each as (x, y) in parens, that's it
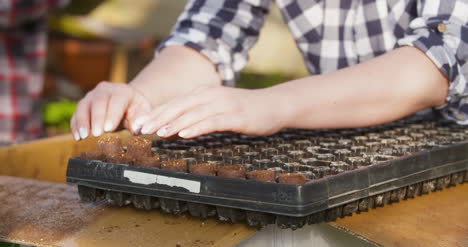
(283, 102)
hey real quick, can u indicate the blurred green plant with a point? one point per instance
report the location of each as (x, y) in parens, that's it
(65, 21)
(58, 114)
(67, 24)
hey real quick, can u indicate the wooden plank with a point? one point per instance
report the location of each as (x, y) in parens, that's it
(438, 219)
(44, 159)
(44, 213)
(119, 69)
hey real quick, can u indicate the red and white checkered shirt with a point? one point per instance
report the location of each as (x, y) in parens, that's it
(23, 34)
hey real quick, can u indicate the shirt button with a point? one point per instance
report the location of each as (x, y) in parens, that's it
(441, 27)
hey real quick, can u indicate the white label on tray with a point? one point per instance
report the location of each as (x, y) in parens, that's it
(145, 178)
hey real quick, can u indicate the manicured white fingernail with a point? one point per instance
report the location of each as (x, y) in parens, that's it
(97, 131)
(76, 136)
(185, 133)
(108, 126)
(163, 131)
(146, 129)
(138, 123)
(83, 132)
(136, 128)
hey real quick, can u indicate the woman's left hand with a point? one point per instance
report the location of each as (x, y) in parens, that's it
(218, 108)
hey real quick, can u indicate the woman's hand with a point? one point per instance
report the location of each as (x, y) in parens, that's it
(161, 80)
(217, 108)
(104, 107)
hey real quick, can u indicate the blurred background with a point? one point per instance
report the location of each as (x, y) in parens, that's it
(95, 40)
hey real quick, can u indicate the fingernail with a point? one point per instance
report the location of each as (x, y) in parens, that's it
(136, 128)
(83, 132)
(108, 126)
(163, 131)
(76, 136)
(139, 122)
(97, 131)
(145, 130)
(185, 133)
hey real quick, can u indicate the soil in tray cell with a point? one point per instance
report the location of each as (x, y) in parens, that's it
(207, 169)
(262, 175)
(138, 147)
(174, 165)
(93, 155)
(291, 178)
(231, 171)
(150, 162)
(119, 158)
(109, 144)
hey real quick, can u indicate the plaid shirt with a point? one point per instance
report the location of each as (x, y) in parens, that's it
(333, 34)
(23, 29)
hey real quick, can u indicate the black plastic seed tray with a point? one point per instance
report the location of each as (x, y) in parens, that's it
(347, 171)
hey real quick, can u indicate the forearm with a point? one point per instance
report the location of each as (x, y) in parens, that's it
(177, 70)
(383, 89)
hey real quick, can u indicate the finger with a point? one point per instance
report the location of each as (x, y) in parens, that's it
(81, 117)
(116, 108)
(220, 122)
(194, 116)
(137, 114)
(98, 112)
(159, 119)
(126, 124)
(73, 129)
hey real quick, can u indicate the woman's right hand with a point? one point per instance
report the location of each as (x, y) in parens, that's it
(105, 107)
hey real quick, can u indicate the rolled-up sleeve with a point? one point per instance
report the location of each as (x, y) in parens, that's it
(223, 31)
(441, 32)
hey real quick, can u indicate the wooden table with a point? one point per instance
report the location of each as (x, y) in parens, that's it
(438, 219)
(50, 214)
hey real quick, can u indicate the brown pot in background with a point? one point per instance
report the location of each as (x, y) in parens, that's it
(50, 85)
(84, 62)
